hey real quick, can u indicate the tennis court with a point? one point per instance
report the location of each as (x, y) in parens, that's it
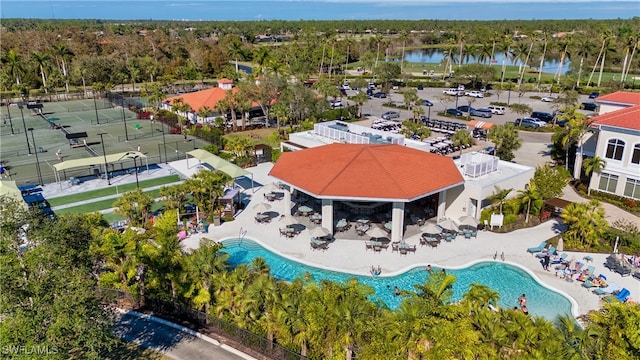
(21, 149)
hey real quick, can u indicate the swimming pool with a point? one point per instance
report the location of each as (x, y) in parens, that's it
(508, 280)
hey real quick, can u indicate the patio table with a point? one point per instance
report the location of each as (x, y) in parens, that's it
(316, 218)
(262, 217)
(305, 209)
(388, 225)
(363, 220)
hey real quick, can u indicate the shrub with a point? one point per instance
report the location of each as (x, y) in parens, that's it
(510, 219)
(228, 218)
(498, 103)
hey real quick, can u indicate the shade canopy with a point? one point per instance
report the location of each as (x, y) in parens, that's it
(218, 163)
(319, 232)
(261, 207)
(98, 160)
(377, 232)
(288, 220)
(469, 221)
(9, 189)
(431, 228)
(271, 187)
(448, 224)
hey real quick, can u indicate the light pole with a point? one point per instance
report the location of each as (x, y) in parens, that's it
(25, 128)
(164, 145)
(95, 106)
(37, 159)
(509, 97)
(135, 166)
(104, 153)
(9, 113)
(124, 119)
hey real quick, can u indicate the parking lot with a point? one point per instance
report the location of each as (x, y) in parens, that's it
(374, 107)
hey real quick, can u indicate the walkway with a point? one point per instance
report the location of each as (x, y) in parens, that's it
(172, 340)
(612, 212)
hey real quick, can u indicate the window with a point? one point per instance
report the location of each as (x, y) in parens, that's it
(615, 147)
(632, 188)
(608, 182)
(635, 157)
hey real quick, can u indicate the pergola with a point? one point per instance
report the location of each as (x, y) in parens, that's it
(368, 173)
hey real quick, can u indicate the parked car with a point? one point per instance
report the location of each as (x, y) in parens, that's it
(390, 115)
(453, 92)
(475, 94)
(497, 110)
(541, 115)
(528, 122)
(379, 95)
(346, 87)
(426, 103)
(335, 103)
(465, 108)
(482, 112)
(589, 106)
(594, 95)
(454, 112)
(420, 87)
(550, 98)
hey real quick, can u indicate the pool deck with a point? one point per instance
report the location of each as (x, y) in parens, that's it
(350, 255)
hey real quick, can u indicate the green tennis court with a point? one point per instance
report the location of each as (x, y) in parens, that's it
(22, 149)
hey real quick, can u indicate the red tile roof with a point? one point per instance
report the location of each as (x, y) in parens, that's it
(366, 171)
(622, 97)
(199, 99)
(627, 118)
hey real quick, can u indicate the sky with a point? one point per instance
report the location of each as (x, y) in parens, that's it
(319, 9)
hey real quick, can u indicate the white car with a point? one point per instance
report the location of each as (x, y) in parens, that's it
(475, 94)
(496, 110)
(346, 87)
(549, 98)
(453, 92)
(335, 103)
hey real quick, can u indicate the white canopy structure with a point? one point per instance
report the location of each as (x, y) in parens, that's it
(220, 164)
(102, 160)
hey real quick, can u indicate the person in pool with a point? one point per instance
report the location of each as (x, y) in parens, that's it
(522, 300)
(396, 291)
(428, 268)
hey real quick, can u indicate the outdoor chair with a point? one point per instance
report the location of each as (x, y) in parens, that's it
(538, 248)
(467, 235)
(368, 245)
(394, 247)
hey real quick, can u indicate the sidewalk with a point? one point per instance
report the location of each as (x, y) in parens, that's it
(612, 212)
(114, 196)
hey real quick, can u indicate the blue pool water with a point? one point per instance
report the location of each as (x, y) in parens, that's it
(509, 281)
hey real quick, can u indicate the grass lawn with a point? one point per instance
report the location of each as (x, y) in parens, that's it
(98, 205)
(114, 216)
(258, 136)
(68, 199)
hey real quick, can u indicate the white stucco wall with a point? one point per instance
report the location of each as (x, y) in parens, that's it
(622, 168)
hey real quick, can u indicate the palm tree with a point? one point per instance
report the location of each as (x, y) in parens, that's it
(462, 137)
(594, 164)
(528, 195)
(62, 52)
(545, 37)
(499, 196)
(14, 62)
(203, 264)
(481, 296)
(261, 56)
(403, 36)
(41, 59)
(631, 41)
(236, 52)
(586, 224)
(583, 47)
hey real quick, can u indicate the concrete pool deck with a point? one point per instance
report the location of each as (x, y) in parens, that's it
(349, 255)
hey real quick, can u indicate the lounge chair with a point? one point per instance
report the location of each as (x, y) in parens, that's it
(636, 275)
(622, 269)
(560, 260)
(588, 284)
(538, 248)
(591, 269)
(550, 251)
(609, 289)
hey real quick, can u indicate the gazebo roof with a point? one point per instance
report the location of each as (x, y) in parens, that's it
(367, 171)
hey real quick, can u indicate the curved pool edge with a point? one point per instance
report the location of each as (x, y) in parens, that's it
(574, 304)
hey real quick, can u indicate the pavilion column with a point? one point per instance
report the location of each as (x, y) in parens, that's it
(287, 202)
(327, 214)
(442, 204)
(397, 221)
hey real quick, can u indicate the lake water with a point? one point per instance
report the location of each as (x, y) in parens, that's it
(437, 56)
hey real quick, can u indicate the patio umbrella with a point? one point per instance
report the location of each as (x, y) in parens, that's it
(271, 187)
(431, 229)
(560, 246)
(448, 225)
(288, 220)
(376, 232)
(469, 221)
(261, 207)
(319, 232)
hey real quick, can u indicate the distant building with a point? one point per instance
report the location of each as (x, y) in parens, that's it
(615, 137)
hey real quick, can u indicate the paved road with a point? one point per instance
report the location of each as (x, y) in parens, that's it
(169, 341)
